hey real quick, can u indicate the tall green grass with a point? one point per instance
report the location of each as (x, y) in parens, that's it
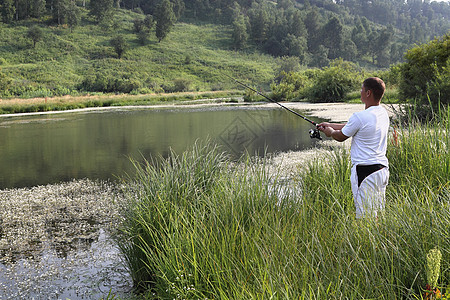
(198, 226)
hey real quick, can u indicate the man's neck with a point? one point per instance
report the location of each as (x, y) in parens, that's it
(372, 104)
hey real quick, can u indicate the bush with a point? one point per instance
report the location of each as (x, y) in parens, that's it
(292, 86)
(425, 74)
(124, 85)
(393, 76)
(439, 89)
(178, 85)
(5, 83)
(119, 44)
(251, 96)
(334, 82)
(109, 84)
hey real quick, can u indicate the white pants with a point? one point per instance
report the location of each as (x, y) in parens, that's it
(370, 196)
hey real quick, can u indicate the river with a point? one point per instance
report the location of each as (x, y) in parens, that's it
(59, 197)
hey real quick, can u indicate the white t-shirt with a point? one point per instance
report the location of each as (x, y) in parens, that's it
(368, 129)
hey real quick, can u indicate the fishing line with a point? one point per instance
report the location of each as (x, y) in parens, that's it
(313, 133)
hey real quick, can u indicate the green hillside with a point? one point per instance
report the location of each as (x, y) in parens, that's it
(62, 47)
(194, 57)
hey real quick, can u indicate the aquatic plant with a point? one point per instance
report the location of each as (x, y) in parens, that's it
(55, 241)
(433, 266)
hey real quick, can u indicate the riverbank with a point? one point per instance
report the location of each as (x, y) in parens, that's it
(335, 112)
(71, 103)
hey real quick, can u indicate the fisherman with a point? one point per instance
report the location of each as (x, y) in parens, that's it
(369, 130)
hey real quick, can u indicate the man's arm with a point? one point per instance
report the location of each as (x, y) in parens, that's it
(335, 126)
(333, 130)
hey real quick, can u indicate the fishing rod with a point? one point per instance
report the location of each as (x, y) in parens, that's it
(313, 133)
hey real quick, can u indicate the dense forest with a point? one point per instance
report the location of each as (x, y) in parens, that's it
(371, 33)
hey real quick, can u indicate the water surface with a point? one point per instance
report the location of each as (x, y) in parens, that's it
(42, 149)
(54, 238)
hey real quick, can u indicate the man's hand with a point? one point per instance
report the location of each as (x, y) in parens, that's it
(323, 124)
(331, 130)
(328, 130)
(335, 126)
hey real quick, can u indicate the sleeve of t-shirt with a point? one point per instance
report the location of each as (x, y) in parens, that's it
(352, 126)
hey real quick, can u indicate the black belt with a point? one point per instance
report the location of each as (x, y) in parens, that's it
(362, 171)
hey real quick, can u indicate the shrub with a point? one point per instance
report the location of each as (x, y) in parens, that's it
(439, 89)
(250, 96)
(181, 85)
(109, 84)
(425, 74)
(334, 82)
(178, 85)
(291, 86)
(124, 85)
(5, 83)
(35, 34)
(119, 44)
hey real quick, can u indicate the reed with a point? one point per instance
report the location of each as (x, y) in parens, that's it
(199, 226)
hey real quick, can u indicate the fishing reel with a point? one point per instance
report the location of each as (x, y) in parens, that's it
(315, 134)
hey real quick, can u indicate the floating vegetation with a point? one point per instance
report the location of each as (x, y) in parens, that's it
(55, 241)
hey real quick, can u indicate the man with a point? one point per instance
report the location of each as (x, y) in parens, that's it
(369, 130)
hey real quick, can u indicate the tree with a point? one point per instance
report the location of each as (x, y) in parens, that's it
(178, 8)
(35, 34)
(22, 9)
(165, 18)
(57, 9)
(100, 9)
(273, 46)
(425, 74)
(72, 13)
(296, 25)
(199, 8)
(65, 12)
(119, 44)
(142, 28)
(138, 25)
(349, 51)
(259, 24)
(37, 8)
(149, 22)
(8, 10)
(320, 57)
(312, 25)
(295, 46)
(333, 37)
(285, 4)
(380, 44)
(240, 35)
(359, 37)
